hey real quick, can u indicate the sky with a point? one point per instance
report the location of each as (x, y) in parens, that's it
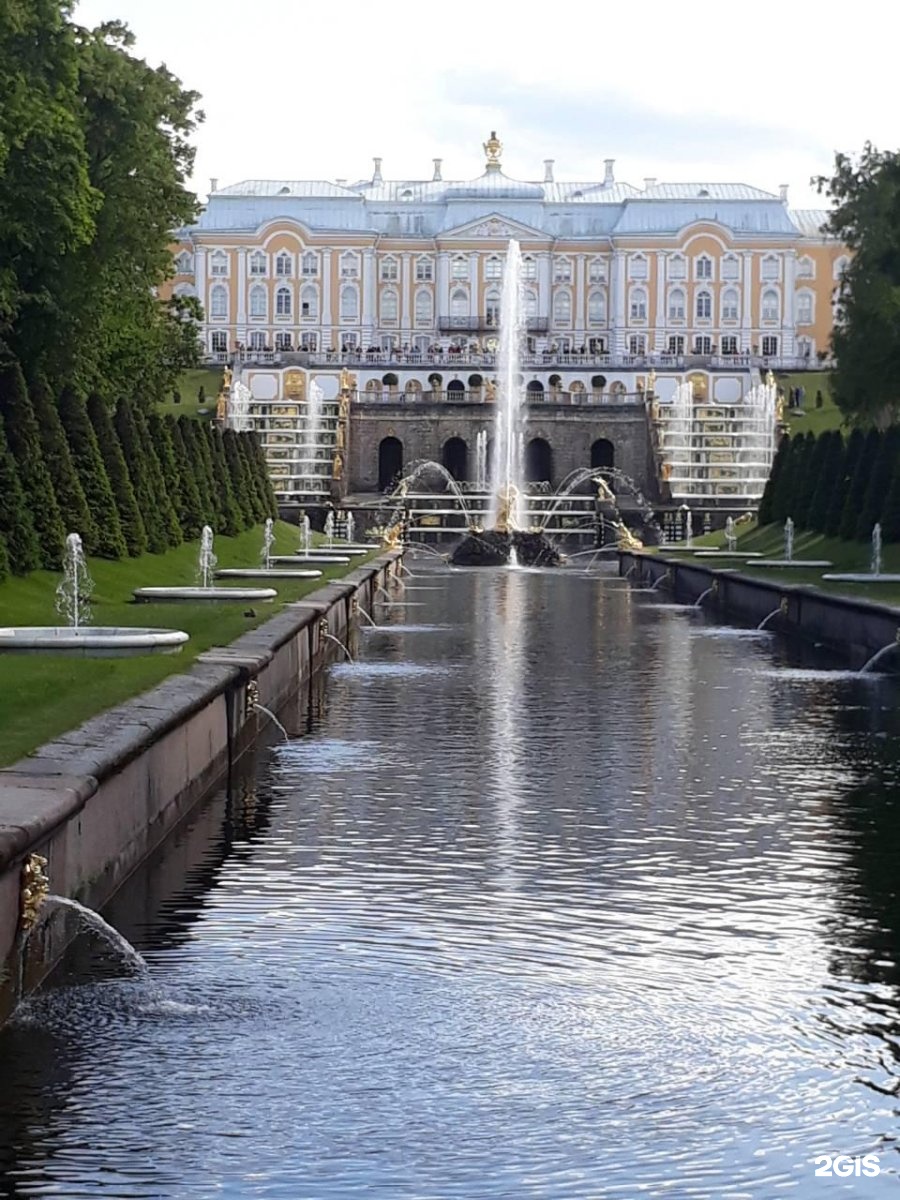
(760, 93)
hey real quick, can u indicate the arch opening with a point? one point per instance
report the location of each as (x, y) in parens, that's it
(455, 457)
(538, 461)
(390, 462)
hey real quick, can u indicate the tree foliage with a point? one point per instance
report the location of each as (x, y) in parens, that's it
(76, 516)
(107, 538)
(16, 526)
(133, 529)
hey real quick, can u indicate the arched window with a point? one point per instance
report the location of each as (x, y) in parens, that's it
(218, 263)
(703, 267)
(771, 267)
(309, 302)
(562, 308)
(424, 270)
(424, 308)
(562, 270)
(770, 305)
(389, 305)
(530, 304)
(349, 265)
(283, 303)
(349, 303)
(493, 268)
(218, 302)
(284, 265)
(389, 270)
(638, 307)
(731, 304)
(184, 289)
(184, 263)
(704, 306)
(806, 268)
(730, 267)
(259, 303)
(677, 267)
(459, 268)
(459, 303)
(805, 314)
(676, 304)
(529, 267)
(257, 263)
(597, 308)
(637, 267)
(309, 264)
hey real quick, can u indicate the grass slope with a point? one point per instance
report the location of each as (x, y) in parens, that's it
(45, 695)
(811, 419)
(188, 385)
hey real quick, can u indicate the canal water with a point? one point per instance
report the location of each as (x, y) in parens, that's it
(560, 891)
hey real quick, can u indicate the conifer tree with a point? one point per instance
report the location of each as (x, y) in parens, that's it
(158, 479)
(203, 446)
(890, 513)
(110, 542)
(815, 465)
(24, 440)
(787, 478)
(241, 485)
(257, 500)
(856, 491)
(766, 514)
(878, 484)
(165, 453)
(265, 479)
(191, 513)
(130, 440)
(16, 525)
(829, 478)
(74, 512)
(852, 450)
(130, 518)
(200, 469)
(4, 559)
(231, 519)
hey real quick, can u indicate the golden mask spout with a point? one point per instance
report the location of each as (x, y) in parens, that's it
(35, 887)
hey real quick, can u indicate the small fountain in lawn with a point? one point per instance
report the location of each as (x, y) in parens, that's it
(731, 541)
(77, 636)
(876, 573)
(267, 570)
(206, 591)
(329, 528)
(788, 560)
(305, 534)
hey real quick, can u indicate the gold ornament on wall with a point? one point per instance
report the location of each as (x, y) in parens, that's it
(35, 886)
(294, 384)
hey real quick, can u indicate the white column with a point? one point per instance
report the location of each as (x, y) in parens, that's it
(619, 301)
(543, 273)
(579, 313)
(789, 331)
(328, 338)
(200, 285)
(747, 303)
(473, 284)
(368, 296)
(659, 333)
(442, 293)
(405, 291)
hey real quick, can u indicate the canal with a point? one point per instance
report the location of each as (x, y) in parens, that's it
(559, 891)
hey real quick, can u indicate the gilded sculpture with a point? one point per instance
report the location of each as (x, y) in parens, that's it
(493, 148)
(337, 467)
(35, 886)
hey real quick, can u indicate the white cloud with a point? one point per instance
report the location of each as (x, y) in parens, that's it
(298, 90)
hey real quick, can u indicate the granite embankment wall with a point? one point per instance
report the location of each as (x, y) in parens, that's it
(96, 801)
(856, 629)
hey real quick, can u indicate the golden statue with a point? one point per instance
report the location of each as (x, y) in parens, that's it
(348, 380)
(666, 471)
(35, 886)
(493, 149)
(339, 437)
(625, 539)
(337, 467)
(490, 391)
(604, 491)
(392, 536)
(770, 378)
(226, 379)
(221, 407)
(779, 406)
(507, 502)
(651, 382)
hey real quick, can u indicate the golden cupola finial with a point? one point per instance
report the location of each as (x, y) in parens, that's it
(493, 148)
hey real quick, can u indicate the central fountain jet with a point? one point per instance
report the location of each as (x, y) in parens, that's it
(506, 540)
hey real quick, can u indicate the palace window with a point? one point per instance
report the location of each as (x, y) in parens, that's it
(703, 344)
(257, 263)
(257, 340)
(283, 340)
(637, 267)
(562, 308)
(806, 268)
(770, 305)
(562, 271)
(389, 270)
(729, 344)
(703, 267)
(218, 341)
(184, 263)
(459, 268)
(730, 267)
(424, 270)
(459, 303)
(349, 266)
(284, 265)
(259, 303)
(349, 342)
(597, 308)
(804, 308)
(805, 347)
(349, 303)
(530, 305)
(597, 271)
(492, 310)
(218, 302)
(638, 306)
(493, 268)
(309, 264)
(389, 306)
(529, 267)
(677, 267)
(424, 308)
(309, 342)
(283, 303)
(704, 306)
(637, 344)
(771, 268)
(309, 302)
(676, 304)
(730, 304)
(218, 263)
(770, 347)
(676, 344)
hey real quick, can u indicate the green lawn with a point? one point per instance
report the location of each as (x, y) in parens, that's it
(45, 695)
(846, 556)
(813, 420)
(188, 385)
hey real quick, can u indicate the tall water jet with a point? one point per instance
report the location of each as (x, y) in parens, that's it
(207, 560)
(74, 591)
(481, 467)
(305, 534)
(506, 482)
(314, 417)
(268, 542)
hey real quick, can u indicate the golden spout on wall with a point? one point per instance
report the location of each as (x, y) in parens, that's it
(251, 700)
(35, 886)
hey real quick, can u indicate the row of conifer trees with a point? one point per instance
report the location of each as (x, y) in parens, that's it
(836, 486)
(127, 480)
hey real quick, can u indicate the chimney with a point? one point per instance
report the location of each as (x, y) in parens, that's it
(649, 182)
(213, 185)
(437, 176)
(609, 178)
(376, 174)
(783, 192)
(548, 170)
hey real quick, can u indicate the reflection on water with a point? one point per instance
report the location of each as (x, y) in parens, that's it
(571, 894)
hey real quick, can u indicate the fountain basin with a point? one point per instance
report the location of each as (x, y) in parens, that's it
(748, 554)
(797, 563)
(350, 551)
(95, 641)
(862, 577)
(185, 595)
(300, 560)
(494, 549)
(264, 573)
